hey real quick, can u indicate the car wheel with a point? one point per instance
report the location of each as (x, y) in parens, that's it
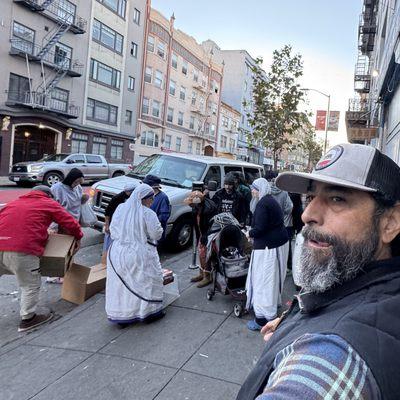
(118, 173)
(52, 178)
(181, 234)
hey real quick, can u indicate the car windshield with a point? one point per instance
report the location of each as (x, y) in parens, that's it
(172, 171)
(54, 157)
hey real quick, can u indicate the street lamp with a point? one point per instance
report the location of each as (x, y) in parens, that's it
(327, 113)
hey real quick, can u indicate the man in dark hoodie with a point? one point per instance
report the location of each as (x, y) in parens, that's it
(229, 200)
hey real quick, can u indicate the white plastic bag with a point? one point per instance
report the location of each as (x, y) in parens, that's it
(88, 217)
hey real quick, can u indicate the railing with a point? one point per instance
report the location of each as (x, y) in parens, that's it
(56, 59)
(44, 102)
(361, 105)
(65, 16)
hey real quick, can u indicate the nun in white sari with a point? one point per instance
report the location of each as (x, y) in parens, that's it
(134, 289)
(268, 262)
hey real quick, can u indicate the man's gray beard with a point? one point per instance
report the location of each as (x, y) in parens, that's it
(319, 273)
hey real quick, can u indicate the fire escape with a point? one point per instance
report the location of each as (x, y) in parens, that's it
(52, 56)
(361, 125)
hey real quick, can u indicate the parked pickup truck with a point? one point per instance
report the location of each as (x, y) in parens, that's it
(177, 172)
(53, 168)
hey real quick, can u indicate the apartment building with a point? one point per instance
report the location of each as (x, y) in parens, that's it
(373, 116)
(237, 91)
(228, 131)
(71, 77)
(181, 94)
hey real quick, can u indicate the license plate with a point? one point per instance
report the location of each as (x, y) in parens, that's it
(16, 178)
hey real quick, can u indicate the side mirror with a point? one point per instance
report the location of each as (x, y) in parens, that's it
(212, 186)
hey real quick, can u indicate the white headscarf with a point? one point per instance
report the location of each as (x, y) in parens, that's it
(263, 187)
(127, 224)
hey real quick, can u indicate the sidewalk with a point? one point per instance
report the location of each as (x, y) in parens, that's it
(198, 351)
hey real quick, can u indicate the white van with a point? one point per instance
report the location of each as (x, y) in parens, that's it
(177, 173)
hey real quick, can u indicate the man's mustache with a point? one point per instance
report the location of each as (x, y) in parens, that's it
(310, 233)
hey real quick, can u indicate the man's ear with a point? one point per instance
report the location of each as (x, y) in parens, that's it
(391, 224)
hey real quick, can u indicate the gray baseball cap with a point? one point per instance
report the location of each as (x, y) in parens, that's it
(354, 166)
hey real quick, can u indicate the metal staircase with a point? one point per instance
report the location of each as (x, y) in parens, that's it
(55, 36)
(60, 64)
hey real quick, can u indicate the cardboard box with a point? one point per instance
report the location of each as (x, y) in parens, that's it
(82, 282)
(57, 256)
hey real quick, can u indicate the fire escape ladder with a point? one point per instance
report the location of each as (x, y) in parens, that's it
(55, 36)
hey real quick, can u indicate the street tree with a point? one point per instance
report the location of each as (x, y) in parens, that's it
(311, 146)
(273, 114)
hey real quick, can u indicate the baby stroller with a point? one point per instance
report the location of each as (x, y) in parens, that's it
(229, 262)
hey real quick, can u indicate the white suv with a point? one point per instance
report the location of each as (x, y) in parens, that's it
(177, 173)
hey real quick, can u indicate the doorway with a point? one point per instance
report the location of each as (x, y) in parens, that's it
(31, 143)
(208, 151)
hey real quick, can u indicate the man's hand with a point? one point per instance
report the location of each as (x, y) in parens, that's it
(84, 199)
(76, 247)
(268, 329)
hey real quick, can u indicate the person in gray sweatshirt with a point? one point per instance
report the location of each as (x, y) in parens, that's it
(283, 200)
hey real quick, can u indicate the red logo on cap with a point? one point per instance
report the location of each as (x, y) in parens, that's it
(330, 157)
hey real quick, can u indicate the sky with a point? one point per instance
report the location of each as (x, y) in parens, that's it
(324, 32)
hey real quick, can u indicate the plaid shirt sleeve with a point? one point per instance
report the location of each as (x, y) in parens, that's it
(319, 366)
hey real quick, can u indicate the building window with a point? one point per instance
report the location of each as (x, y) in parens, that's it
(212, 129)
(107, 36)
(214, 108)
(104, 74)
(128, 117)
(117, 6)
(167, 142)
(131, 83)
(65, 10)
(194, 97)
(184, 67)
(145, 106)
(170, 114)
(79, 143)
(201, 103)
(101, 112)
(191, 123)
(134, 49)
(225, 122)
(156, 109)
(196, 75)
(18, 88)
(117, 149)
(180, 118)
(62, 55)
(158, 79)
(23, 38)
(182, 94)
(174, 61)
(149, 139)
(150, 44)
(148, 74)
(161, 49)
(99, 146)
(136, 16)
(232, 145)
(190, 146)
(178, 144)
(172, 87)
(198, 148)
(59, 99)
(207, 127)
(223, 141)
